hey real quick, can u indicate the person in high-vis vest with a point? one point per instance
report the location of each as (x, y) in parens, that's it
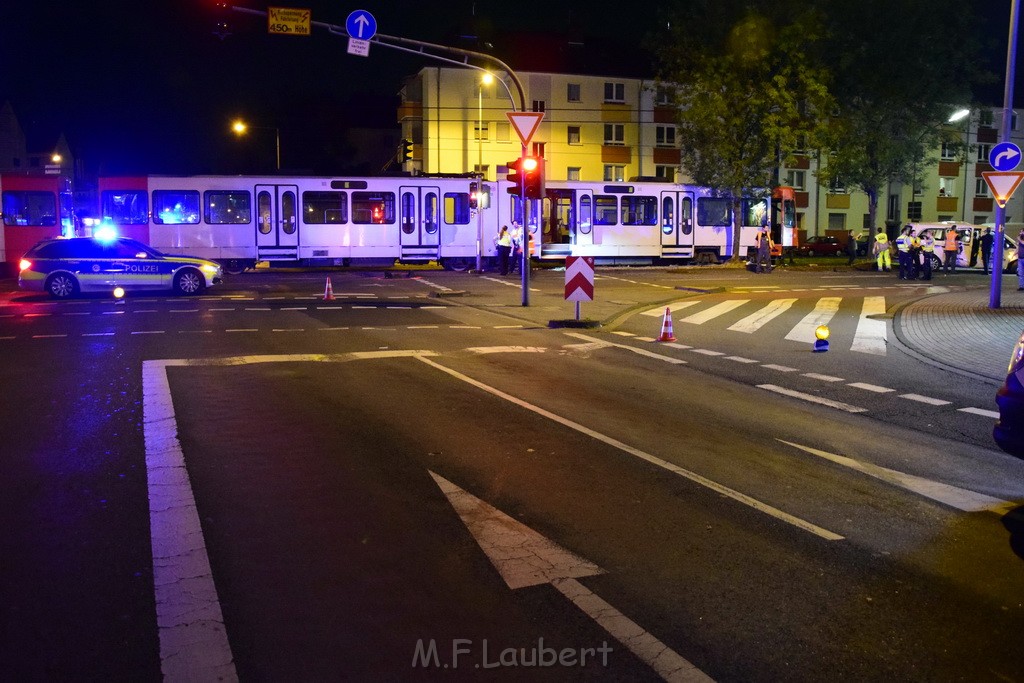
(881, 251)
(927, 254)
(504, 244)
(949, 250)
(915, 256)
(903, 252)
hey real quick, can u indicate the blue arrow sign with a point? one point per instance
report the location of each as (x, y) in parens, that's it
(1005, 156)
(361, 25)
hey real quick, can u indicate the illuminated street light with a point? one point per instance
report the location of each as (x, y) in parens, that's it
(240, 127)
(959, 114)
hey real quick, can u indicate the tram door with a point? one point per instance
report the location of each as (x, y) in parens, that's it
(420, 221)
(277, 223)
(677, 232)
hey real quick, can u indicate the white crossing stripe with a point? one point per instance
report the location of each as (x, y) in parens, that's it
(713, 312)
(979, 411)
(673, 307)
(925, 399)
(823, 378)
(870, 387)
(755, 321)
(812, 398)
(870, 335)
(821, 315)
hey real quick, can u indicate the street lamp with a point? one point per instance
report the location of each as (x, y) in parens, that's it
(960, 115)
(486, 79)
(240, 127)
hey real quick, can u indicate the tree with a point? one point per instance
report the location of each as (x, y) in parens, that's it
(747, 97)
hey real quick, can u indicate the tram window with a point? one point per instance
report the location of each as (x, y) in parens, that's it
(605, 209)
(124, 207)
(686, 215)
(714, 211)
(288, 218)
(175, 207)
(320, 208)
(639, 210)
(430, 213)
(586, 215)
(408, 213)
(755, 212)
(23, 207)
(373, 207)
(266, 217)
(666, 216)
(228, 207)
(456, 208)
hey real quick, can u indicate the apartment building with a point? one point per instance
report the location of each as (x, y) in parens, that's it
(614, 128)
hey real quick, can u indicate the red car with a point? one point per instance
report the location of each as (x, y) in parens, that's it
(820, 245)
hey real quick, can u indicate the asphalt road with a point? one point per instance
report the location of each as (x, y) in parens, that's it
(400, 486)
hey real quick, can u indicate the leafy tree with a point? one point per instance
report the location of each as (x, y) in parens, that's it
(748, 94)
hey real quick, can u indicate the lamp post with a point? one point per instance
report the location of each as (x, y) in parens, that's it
(960, 115)
(995, 290)
(486, 79)
(240, 127)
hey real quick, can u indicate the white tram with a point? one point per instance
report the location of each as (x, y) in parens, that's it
(242, 220)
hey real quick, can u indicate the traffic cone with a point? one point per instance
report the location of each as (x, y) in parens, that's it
(329, 291)
(666, 327)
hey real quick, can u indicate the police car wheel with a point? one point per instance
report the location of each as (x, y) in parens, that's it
(936, 262)
(189, 281)
(62, 286)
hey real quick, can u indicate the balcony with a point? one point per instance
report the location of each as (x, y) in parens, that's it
(616, 154)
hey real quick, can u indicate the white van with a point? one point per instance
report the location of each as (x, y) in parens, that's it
(968, 233)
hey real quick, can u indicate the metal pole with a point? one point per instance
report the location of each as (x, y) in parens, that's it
(277, 144)
(995, 292)
(524, 269)
(479, 179)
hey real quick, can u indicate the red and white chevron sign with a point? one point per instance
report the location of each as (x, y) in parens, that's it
(579, 278)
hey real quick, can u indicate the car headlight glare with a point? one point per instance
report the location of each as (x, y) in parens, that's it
(209, 268)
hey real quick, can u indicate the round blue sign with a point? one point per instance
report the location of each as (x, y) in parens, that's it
(361, 25)
(1004, 157)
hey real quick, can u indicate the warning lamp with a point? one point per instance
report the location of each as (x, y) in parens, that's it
(473, 195)
(821, 341)
(118, 292)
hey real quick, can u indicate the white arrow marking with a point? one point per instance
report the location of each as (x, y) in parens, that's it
(1007, 154)
(362, 22)
(523, 557)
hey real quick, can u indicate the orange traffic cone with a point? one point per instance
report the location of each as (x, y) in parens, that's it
(329, 291)
(666, 327)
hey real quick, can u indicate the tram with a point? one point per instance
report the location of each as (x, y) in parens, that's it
(34, 207)
(240, 221)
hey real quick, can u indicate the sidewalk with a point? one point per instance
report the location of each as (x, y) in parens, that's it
(959, 329)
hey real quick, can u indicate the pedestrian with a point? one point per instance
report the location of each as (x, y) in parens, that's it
(903, 252)
(851, 247)
(1020, 261)
(517, 247)
(927, 254)
(986, 248)
(974, 248)
(504, 243)
(764, 249)
(915, 255)
(883, 260)
(949, 250)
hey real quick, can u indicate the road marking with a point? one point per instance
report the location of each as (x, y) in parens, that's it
(48, 336)
(148, 332)
(633, 349)
(422, 327)
(642, 455)
(672, 307)
(508, 327)
(741, 359)
(870, 387)
(780, 368)
(195, 331)
(980, 411)
(36, 315)
(823, 312)
(953, 496)
(364, 308)
(93, 334)
(290, 329)
(185, 310)
(294, 308)
(145, 310)
(464, 327)
(713, 312)
(113, 313)
(218, 310)
(506, 349)
(523, 557)
(623, 333)
(763, 316)
(673, 345)
(813, 399)
(870, 334)
(332, 329)
(252, 329)
(823, 378)
(708, 352)
(249, 308)
(925, 399)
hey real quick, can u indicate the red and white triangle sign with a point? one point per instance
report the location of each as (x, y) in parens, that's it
(525, 123)
(1003, 184)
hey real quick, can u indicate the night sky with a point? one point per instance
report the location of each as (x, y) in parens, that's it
(146, 87)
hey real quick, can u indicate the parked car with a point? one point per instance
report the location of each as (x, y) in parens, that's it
(820, 245)
(968, 234)
(64, 267)
(1009, 431)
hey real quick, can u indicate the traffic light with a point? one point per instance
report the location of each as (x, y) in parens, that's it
(515, 177)
(405, 151)
(533, 167)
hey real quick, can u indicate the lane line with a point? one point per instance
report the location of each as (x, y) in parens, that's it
(780, 368)
(741, 359)
(627, 347)
(813, 399)
(870, 387)
(980, 411)
(925, 399)
(823, 378)
(642, 455)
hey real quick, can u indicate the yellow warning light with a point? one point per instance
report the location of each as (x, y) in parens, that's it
(821, 332)
(118, 292)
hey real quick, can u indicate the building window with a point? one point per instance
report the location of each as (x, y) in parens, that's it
(614, 92)
(666, 172)
(949, 150)
(574, 136)
(480, 130)
(913, 211)
(572, 92)
(614, 134)
(981, 188)
(837, 186)
(837, 221)
(538, 149)
(796, 179)
(663, 97)
(572, 173)
(665, 136)
(614, 173)
(983, 152)
(947, 187)
(985, 118)
(482, 171)
(502, 131)
(538, 105)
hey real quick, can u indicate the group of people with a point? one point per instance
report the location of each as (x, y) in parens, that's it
(917, 252)
(509, 243)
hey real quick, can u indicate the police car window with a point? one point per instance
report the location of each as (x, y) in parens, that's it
(120, 250)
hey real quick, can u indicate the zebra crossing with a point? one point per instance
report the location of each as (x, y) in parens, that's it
(869, 337)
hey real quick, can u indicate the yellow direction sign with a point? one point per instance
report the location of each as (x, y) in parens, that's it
(288, 20)
(1002, 184)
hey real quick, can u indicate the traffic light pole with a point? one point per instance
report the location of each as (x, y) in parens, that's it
(524, 237)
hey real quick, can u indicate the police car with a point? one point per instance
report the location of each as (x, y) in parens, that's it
(1009, 431)
(66, 266)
